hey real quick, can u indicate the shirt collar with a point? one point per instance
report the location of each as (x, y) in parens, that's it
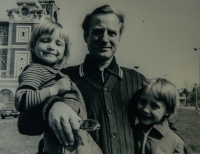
(89, 66)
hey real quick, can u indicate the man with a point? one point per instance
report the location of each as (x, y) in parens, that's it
(106, 87)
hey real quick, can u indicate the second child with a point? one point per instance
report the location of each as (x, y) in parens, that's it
(155, 103)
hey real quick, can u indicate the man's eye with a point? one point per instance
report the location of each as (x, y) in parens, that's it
(96, 32)
(112, 34)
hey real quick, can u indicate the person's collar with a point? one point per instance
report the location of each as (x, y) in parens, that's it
(89, 66)
(102, 67)
(49, 66)
(162, 127)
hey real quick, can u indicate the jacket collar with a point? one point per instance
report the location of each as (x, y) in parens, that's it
(162, 127)
(89, 66)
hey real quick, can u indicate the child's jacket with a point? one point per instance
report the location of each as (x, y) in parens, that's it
(84, 143)
(160, 140)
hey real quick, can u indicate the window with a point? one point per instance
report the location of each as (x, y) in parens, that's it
(24, 11)
(3, 59)
(23, 33)
(4, 33)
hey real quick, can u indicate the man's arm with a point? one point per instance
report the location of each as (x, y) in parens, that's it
(62, 119)
(53, 113)
(31, 122)
(64, 122)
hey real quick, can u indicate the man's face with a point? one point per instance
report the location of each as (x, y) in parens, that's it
(103, 37)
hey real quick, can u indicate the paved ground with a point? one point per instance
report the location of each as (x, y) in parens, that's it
(11, 142)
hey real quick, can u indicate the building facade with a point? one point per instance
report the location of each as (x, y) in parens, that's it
(14, 39)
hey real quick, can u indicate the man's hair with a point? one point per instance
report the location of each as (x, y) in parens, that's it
(50, 27)
(105, 9)
(164, 91)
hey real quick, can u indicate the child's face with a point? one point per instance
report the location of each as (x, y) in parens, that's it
(50, 48)
(149, 110)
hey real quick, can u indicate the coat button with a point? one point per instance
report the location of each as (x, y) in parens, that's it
(105, 89)
(114, 135)
(109, 111)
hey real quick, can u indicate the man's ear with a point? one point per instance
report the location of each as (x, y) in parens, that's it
(167, 114)
(85, 35)
(120, 37)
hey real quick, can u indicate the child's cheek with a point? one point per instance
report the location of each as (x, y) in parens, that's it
(139, 107)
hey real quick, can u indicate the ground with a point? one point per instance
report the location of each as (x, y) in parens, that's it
(11, 142)
(188, 125)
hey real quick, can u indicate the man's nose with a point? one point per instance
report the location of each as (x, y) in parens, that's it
(105, 37)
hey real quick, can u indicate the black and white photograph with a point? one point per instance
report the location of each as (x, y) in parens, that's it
(99, 77)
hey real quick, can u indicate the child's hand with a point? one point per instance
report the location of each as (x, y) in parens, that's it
(61, 86)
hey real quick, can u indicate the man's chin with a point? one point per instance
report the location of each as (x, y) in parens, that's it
(103, 58)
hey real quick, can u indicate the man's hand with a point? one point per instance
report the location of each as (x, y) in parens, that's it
(64, 122)
(61, 86)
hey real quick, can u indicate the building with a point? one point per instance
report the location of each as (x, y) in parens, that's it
(14, 39)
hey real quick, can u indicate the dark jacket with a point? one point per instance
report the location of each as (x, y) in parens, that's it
(107, 102)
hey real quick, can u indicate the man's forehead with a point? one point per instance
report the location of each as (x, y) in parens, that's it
(103, 17)
(105, 21)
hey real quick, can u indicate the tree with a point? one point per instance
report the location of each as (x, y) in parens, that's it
(195, 95)
(185, 93)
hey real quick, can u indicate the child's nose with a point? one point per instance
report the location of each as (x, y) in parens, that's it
(50, 48)
(146, 110)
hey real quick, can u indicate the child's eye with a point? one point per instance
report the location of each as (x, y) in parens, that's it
(143, 102)
(44, 40)
(155, 106)
(59, 44)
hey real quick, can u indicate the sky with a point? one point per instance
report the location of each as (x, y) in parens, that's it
(159, 35)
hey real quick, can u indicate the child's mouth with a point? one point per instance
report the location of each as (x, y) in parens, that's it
(144, 116)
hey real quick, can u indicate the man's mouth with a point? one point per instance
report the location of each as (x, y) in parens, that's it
(103, 47)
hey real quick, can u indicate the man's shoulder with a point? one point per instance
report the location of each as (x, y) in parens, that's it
(72, 68)
(127, 69)
(131, 71)
(72, 71)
